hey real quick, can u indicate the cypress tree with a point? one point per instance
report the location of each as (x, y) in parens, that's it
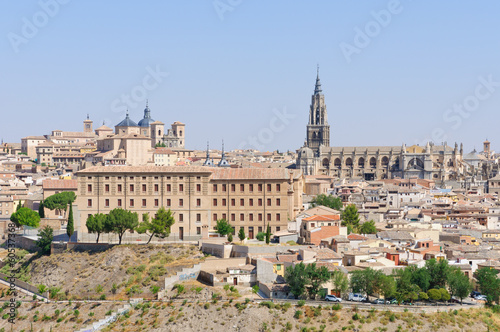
(268, 234)
(41, 210)
(70, 229)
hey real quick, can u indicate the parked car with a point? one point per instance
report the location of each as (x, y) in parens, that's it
(473, 294)
(481, 297)
(391, 301)
(356, 297)
(378, 301)
(333, 298)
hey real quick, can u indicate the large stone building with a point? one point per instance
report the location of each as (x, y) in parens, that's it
(199, 196)
(434, 162)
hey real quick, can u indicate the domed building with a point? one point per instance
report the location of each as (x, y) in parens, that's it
(146, 122)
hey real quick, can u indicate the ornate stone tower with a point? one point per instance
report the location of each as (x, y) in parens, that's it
(87, 125)
(318, 129)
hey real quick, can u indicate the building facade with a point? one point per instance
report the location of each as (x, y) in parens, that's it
(198, 196)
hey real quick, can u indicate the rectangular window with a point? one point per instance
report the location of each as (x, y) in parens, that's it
(198, 187)
(198, 230)
(181, 202)
(224, 202)
(250, 187)
(215, 216)
(157, 202)
(169, 202)
(169, 187)
(260, 229)
(119, 189)
(224, 187)
(106, 202)
(260, 216)
(106, 178)
(233, 187)
(143, 202)
(181, 217)
(268, 217)
(278, 217)
(268, 202)
(131, 203)
(242, 187)
(144, 188)
(181, 187)
(233, 202)
(260, 202)
(214, 188)
(250, 217)
(242, 217)
(131, 178)
(198, 217)
(268, 187)
(215, 202)
(89, 188)
(131, 188)
(224, 216)
(119, 202)
(242, 202)
(278, 202)
(250, 202)
(278, 187)
(156, 188)
(198, 202)
(233, 217)
(106, 188)
(259, 187)
(89, 203)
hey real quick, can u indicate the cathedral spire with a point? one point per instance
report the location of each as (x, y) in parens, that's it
(317, 87)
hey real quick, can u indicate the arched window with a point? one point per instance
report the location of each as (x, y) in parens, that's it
(348, 162)
(337, 163)
(159, 132)
(361, 162)
(326, 162)
(416, 164)
(180, 133)
(385, 161)
(373, 162)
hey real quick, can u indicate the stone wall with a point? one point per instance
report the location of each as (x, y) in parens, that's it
(186, 274)
(218, 250)
(25, 286)
(59, 247)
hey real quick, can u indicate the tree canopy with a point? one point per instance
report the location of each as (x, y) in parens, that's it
(350, 218)
(241, 234)
(119, 221)
(459, 284)
(223, 227)
(328, 201)
(25, 217)
(60, 200)
(368, 227)
(44, 241)
(70, 228)
(41, 210)
(159, 226)
(302, 278)
(96, 224)
(489, 284)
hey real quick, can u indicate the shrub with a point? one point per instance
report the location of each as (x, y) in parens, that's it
(392, 318)
(298, 314)
(336, 306)
(207, 305)
(301, 303)
(356, 316)
(261, 236)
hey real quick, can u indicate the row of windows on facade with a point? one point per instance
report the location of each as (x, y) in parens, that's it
(198, 202)
(156, 187)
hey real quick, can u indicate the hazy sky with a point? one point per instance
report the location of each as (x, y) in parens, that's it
(244, 71)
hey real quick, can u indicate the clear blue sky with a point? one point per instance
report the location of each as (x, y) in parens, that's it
(228, 70)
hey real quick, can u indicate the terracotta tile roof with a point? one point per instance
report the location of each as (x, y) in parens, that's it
(356, 237)
(60, 184)
(323, 218)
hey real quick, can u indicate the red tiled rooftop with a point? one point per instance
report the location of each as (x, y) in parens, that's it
(60, 184)
(332, 217)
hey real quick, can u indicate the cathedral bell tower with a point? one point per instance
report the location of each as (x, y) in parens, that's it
(318, 129)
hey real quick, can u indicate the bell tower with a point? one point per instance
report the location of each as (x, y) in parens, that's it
(87, 125)
(318, 129)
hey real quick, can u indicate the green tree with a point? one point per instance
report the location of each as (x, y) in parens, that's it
(119, 221)
(223, 227)
(459, 284)
(296, 278)
(420, 277)
(25, 217)
(340, 282)
(70, 228)
(367, 281)
(261, 236)
(19, 205)
(405, 288)
(60, 201)
(438, 272)
(268, 234)
(316, 276)
(241, 234)
(434, 294)
(160, 145)
(350, 217)
(230, 237)
(41, 210)
(327, 200)
(489, 284)
(159, 226)
(96, 224)
(368, 227)
(387, 286)
(45, 236)
(445, 296)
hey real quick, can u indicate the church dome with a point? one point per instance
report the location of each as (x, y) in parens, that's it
(127, 122)
(306, 153)
(146, 121)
